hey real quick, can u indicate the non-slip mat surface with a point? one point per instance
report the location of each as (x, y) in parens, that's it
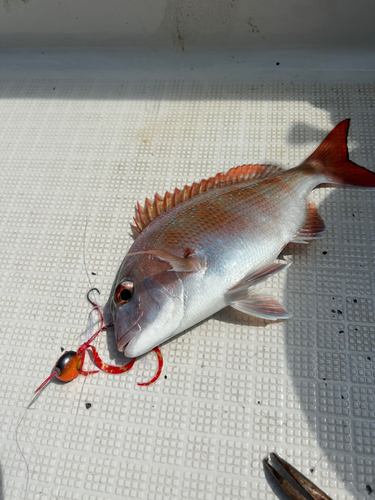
(75, 155)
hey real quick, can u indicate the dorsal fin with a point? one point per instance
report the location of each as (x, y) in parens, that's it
(144, 215)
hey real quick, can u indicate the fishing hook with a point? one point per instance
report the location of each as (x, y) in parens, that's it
(88, 296)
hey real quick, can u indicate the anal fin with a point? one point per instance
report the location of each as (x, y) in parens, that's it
(313, 227)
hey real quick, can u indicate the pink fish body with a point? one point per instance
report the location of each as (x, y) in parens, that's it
(210, 245)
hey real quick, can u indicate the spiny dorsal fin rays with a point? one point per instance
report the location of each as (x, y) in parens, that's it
(143, 216)
(158, 204)
(149, 209)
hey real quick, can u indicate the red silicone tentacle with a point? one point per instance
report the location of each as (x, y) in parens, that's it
(114, 370)
(158, 373)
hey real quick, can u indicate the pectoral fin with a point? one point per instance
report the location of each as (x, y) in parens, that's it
(244, 298)
(253, 279)
(187, 264)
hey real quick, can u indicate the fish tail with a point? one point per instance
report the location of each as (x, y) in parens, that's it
(331, 159)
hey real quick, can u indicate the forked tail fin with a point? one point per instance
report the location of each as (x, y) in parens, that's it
(331, 159)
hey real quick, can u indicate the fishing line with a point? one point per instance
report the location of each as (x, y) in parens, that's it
(89, 333)
(20, 449)
(23, 416)
(92, 288)
(84, 254)
(91, 326)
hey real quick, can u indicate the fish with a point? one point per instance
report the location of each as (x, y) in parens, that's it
(210, 245)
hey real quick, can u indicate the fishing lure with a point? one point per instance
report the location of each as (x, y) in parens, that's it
(70, 364)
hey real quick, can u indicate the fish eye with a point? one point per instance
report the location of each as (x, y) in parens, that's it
(124, 292)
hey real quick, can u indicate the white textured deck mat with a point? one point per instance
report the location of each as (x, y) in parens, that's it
(75, 157)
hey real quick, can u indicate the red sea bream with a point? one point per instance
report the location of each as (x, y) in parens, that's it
(209, 245)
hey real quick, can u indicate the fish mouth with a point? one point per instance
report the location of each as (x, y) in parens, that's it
(133, 332)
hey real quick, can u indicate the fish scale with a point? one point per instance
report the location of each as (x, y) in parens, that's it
(212, 244)
(230, 214)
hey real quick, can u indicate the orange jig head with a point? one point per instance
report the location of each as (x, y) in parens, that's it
(69, 366)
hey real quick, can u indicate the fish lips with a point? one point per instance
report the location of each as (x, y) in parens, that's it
(150, 329)
(125, 336)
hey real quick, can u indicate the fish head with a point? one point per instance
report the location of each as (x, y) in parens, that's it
(146, 304)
